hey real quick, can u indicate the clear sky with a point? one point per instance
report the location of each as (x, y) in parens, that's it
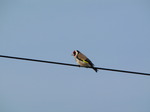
(112, 33)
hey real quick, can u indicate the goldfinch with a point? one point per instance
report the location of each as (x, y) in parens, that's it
(82, 60)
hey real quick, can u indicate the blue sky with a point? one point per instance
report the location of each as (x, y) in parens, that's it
(113, 34)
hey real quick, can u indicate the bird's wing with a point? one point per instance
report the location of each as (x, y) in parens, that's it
(90, 62)
(83, 58)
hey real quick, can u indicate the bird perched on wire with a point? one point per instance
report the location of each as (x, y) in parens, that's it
(82, 60)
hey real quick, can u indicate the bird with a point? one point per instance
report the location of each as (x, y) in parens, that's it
(82, 60)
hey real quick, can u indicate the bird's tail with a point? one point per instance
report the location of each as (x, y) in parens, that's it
(95, 69)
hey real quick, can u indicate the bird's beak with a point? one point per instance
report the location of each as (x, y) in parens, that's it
(71, 54)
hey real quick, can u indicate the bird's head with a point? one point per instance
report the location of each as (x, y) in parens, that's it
(75, 53)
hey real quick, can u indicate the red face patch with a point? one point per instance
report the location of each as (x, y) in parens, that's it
(74, 53)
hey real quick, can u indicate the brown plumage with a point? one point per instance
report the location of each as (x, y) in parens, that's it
(82, 60)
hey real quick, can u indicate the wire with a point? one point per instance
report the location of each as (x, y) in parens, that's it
(42, 61)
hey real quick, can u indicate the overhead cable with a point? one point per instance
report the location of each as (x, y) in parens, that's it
(52, 62)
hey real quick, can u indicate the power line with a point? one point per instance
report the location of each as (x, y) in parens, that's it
(42, 61)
